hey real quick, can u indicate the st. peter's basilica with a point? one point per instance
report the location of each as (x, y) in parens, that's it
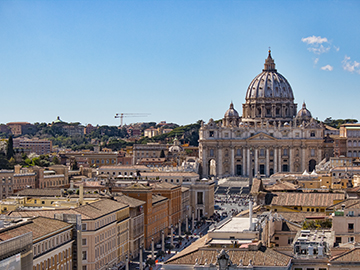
(271, 135)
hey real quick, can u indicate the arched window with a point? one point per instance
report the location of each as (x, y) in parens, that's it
(349, 154)
(350, 143)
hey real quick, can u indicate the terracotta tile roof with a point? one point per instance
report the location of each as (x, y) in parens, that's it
(132, 202)
(40, 192)
(137, 186)
(158, 198)
(257, 186)
(299, 217)
(282, 186)
(305, 199)
(349, 204)
(350, 256)
(88, 211)
(163, 185)
(99, 208)
(39, 226)
(262, 257)
(184, 189)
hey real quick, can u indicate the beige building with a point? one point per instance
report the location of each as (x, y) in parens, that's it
(104, 231)
(346, 221)
(52, 242)
(136, 223)
(202, 198)
(150, 150)
(40, 147)
(269, 137)
(352, 134)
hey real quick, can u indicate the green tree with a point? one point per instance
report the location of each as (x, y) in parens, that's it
(10, 148)
(55, 160)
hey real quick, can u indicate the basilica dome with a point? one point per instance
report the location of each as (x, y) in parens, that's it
(304, 113)
(231, 112)
(269, 97)
(269, 83)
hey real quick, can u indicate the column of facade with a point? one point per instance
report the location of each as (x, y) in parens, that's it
(279, 164)
(319, 155)
(243, 162)
(303, 158)
(291, 169)
(219, 163)
(248, 161)
(232, 157)
(275, 160)
(256, 169)
(205, 171)
(267, 164)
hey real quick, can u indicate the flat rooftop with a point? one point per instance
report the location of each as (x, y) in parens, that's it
(236, 224)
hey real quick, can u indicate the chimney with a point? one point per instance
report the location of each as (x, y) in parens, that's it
(81, 193)
(251, 214)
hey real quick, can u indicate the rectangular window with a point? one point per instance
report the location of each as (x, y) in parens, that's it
(84, 255)
(313, 152)
(84, 241)
(200, 198)
(211, 133)
(83, 227)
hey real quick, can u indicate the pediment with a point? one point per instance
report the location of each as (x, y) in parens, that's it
(262, 137)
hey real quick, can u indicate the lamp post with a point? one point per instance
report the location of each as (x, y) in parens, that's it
(179, 228)
(152, 248)
(171, 235)
(141, 258)
(193, 221)
(127, 263)
(162, 241)
(186, 223)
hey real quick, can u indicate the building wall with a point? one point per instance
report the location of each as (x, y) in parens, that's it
(6, 183)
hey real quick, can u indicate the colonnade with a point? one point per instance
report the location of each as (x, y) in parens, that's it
(251, 158)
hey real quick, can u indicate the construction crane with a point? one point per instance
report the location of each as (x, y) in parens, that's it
(122, 115)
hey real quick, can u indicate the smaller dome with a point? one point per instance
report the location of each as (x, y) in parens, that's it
(231, 112)
(304, 113)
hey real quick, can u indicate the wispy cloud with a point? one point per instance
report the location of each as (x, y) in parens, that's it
(315, 44)
(314, 40)
(327, 67)
(316, 61)
(336, 48)
(351, 66)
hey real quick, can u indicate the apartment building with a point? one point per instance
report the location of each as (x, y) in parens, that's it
(104, 231)
(6, 183)
(21, 128)
(149, 150)
(346, 221)
(136, 224)
(90, 158)
(52, 241)
(173, 193)
(352, 134)
(155, 211)
(38, 146)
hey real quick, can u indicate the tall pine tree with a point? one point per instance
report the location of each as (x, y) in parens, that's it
(10, 148)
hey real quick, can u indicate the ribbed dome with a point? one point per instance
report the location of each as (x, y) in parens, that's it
(304, 113)
(269, 84)
(231, 112)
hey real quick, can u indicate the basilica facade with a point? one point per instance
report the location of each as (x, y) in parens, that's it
(271, 135)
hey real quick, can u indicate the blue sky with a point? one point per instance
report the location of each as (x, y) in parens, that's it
(180, 61)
